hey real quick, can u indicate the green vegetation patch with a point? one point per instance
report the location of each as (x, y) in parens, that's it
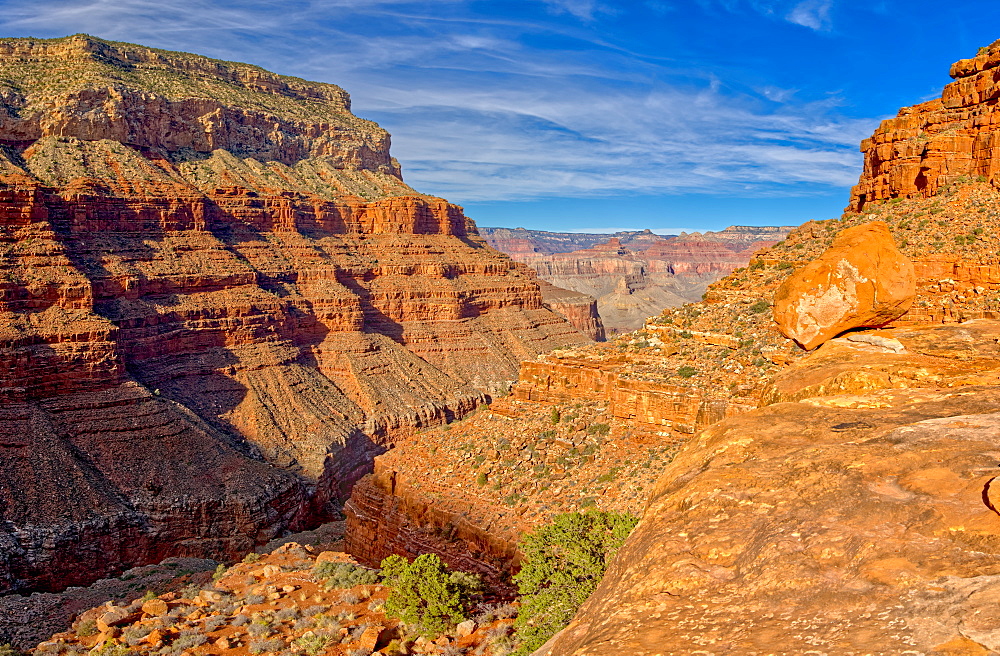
(563, 563)
(426, 596)
(343, 575)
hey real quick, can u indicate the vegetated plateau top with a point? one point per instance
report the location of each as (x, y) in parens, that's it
(34, 72)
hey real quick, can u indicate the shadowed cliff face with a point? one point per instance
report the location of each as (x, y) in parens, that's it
(218, 301)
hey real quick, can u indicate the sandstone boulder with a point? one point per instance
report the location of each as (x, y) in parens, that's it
(155, 607)
(862, 280)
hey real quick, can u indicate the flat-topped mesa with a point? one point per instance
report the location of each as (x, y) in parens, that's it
(204, 260)
(86, 88)
(929, 146)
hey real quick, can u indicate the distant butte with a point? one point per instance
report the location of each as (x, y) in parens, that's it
(633, 274)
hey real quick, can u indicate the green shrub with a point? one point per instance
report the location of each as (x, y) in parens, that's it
(8, 650)
(686, 371)
(555, 415)
(87, 628)
(481, 479)
(784, 265)
(760, 306)
(312, 643)
(219, 572)
(343, 575)
(563, 563)
(425, 595)
(111, 648)
(598, 429)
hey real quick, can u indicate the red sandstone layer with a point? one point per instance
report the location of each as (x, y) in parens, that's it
(213, 317)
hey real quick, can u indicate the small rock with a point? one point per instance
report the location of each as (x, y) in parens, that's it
(289, 588)
(465, 628)
(222, 643)
(210, 596)
(115, 617)
(155, 607)
(370, 637)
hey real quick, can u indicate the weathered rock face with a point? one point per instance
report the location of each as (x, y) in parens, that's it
(579, 309)
(193, 292)
(862, 280)
(388, 514)
(863, 520)
(929, 146)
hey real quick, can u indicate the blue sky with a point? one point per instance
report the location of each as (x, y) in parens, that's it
(589, 114)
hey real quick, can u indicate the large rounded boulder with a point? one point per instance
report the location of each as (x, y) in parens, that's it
(861, 281)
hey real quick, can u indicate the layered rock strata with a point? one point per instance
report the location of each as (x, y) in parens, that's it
(634, 275)
(218, 301)
(579, 309)
(930, 146)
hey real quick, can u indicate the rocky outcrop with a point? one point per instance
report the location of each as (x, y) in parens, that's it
(930, 146)
(862, 280)
(860, 517)
(579, 309)
(214, 313)
(646, 403)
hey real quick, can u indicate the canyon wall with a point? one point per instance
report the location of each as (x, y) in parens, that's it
(218, 302)
(634, 275)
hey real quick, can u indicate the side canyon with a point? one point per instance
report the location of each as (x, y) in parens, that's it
(832, 501)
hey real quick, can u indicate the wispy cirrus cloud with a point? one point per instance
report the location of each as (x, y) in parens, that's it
(814, 14)
(582, 9)
(485, 106)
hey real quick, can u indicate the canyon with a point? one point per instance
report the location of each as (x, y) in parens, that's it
(838, 500)
(218, 302)
(634, 274)
(212, 339)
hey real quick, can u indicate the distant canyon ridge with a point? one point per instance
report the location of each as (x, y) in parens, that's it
(631, 274)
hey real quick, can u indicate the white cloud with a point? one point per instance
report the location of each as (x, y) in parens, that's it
(478, 114)
(814, 14)
(582, 9)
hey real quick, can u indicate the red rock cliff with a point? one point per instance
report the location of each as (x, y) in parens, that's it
(207, 270)
(929, 146)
